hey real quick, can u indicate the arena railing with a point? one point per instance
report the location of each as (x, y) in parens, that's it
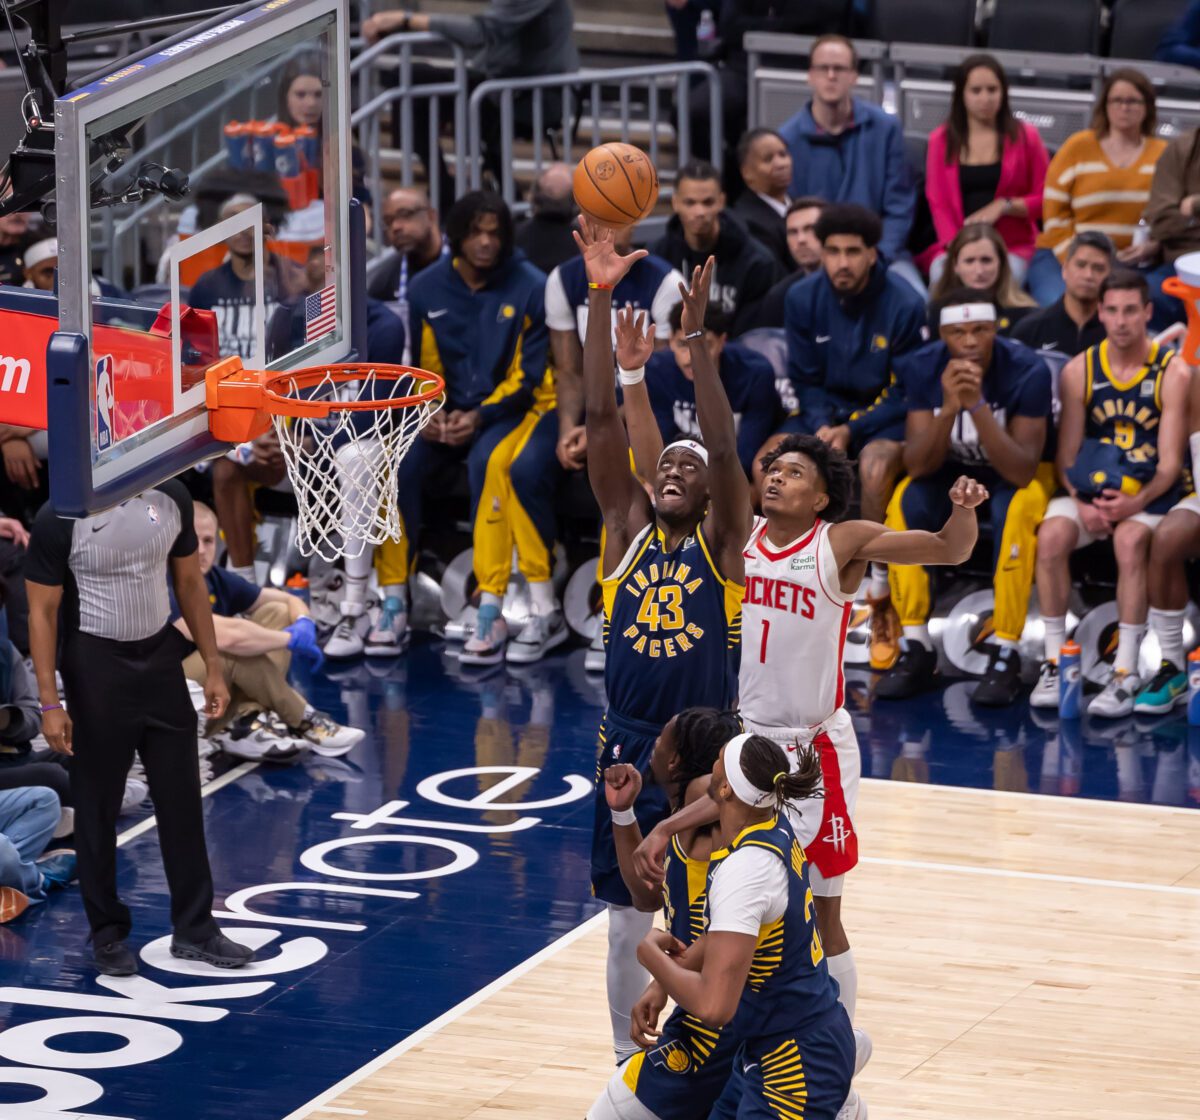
(599, 89)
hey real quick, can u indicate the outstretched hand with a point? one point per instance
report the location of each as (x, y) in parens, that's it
(634, 345)
(601, 261)
(968, 493)
(695, 298)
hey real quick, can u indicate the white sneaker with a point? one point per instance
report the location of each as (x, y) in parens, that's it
(327, 737)
(259, 737)
(486, 645)
(855, 1107)
(540, 634)
(66, 823)
(389, 636)
(862, 1050)
(1116, 700)
(136, 791)
(346, 640)
(1045, 693)
(463, 627)
(593, 660)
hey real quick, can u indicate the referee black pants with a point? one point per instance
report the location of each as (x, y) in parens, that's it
(124, 697)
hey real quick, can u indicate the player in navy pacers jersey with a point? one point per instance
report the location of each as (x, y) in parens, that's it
(680, 1073)
(672, 584)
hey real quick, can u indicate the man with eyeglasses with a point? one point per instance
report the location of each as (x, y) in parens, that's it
(845, 149)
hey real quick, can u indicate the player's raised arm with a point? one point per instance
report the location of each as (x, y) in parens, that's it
(622, 502)
(634, 349)
(730, 516)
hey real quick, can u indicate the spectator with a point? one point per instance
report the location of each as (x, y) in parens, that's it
(257, 630)
(977, 259)
(766, 167)
(20, 723)
(15, 238)
(546, 237)
(747, 378)
(478, 316)
(28, 818)
(40, 263)
(650, 285)
(845, 149)
(13, 539)
(410, 225)
(1180, 43)
(700, 227)
(1071, 324)
(686, 17)
(983, 165)
(846, 325)
(804, 255)
(977, 405)
(1120, 455)
(229, 290)
(1173, 214)
(510, 38)
(1099, 180)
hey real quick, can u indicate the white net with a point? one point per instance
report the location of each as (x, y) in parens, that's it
(345, 467)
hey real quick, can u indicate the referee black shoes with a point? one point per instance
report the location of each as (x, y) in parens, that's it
(217, 950)
(114, 958)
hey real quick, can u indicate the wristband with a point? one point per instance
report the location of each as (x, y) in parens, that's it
(624, 816)
(976, 407)
(693, 335)
(632, 376)
(599, 287)
(51, 708)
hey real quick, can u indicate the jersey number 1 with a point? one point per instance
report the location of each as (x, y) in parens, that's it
(762, 649)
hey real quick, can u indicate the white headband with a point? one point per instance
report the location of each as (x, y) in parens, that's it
(743, 788)
(968, 313)
(697, 449)
(40, 251)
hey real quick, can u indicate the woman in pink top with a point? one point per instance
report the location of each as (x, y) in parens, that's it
(983, 165)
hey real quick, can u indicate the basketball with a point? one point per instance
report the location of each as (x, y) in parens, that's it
(616, 185)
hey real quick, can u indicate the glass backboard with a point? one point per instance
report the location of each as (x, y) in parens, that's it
(204, 209)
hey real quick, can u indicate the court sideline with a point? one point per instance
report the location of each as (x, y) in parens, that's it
(1037, 969)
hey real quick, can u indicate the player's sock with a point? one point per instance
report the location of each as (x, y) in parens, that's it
(1056, 634)
(1168, 628)
(355, 594)
(246, 571)
(879, 588)
(1129, 643)
(918, 634)
(487, 599)
(397, 591)
(626, 978)
(1006, 643)
(844, 971)
(541, 592)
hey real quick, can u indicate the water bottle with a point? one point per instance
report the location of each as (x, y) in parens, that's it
(1194, 688)
(1141, 234)
(706, 32)
(287, 155)
(237, 143)
(1070, 682)
(262, 139)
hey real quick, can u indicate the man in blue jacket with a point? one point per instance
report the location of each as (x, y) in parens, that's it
(746, 377)
(848, 150)
(477, 318)
(845, 324)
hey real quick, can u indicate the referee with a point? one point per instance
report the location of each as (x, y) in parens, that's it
(123, 676)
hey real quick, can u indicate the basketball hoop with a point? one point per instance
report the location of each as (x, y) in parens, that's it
(343, 431)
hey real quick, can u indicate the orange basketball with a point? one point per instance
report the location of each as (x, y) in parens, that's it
(616, 185)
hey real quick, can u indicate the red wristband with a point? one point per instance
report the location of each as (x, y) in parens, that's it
(600, 287)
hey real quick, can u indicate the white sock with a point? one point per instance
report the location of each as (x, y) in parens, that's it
(356, 594)
(487, 599)
(246, 571)
(918, 634)
(1168, 628)
(395, 591)
(844, 971)
(626, 978)
(879, 581)
(1056, 634)
(1129, 642)
(542, 594)
(1006, 643)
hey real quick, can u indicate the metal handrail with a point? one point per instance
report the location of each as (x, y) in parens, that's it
(678, 73)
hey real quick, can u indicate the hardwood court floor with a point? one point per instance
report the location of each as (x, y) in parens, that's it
(1019, 956)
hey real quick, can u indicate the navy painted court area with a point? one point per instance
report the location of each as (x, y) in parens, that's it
(395, 883)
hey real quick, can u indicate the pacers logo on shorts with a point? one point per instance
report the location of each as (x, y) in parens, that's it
(672, 1057)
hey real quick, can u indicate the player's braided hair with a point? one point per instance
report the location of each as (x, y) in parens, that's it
(766, 766)
(832, 465)
(700, 733)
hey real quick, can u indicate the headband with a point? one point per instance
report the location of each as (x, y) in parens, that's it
(967, 313)
(743, 788)
(697, 449)
(40, 251)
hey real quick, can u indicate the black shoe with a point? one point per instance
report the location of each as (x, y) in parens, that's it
(114, 958)
(218, 950)
(913, 673)
(1001, 684)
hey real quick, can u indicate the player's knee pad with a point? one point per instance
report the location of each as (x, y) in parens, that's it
(618, 1102)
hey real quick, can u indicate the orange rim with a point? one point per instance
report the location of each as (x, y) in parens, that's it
(283, 405)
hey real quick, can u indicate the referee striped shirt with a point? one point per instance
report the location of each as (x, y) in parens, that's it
(113, 566)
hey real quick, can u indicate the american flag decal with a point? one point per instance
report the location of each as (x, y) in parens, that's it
(320, 313)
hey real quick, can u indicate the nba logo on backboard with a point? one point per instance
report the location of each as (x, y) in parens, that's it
(104, 402)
